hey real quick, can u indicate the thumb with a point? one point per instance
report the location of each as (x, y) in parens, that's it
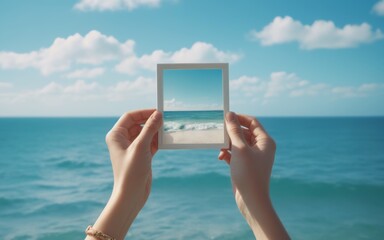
(234, 129)
(150, 128)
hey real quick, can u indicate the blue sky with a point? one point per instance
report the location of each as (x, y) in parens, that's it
(192, 89)
(98, 58)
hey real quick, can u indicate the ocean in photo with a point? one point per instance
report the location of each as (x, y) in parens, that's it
(327, 182)
(193, 120)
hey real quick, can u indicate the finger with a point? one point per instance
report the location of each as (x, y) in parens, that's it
(248, 135)
(155, 144)
(118, 138)
(221, 155)
(234, 129)
(260, 137)
(129, 119)
(134, 131)
(225, 155)
(150, 128)
(253, 125)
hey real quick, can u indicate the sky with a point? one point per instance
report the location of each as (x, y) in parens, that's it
(98, 58)
(193, 89)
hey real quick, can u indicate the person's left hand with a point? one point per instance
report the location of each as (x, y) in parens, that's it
(131, 148)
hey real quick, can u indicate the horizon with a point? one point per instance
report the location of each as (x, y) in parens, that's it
(259, 116)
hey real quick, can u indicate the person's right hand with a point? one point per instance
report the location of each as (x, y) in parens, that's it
(251, 158)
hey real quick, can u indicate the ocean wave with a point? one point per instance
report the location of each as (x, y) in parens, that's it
(9, 202)
(180, 126)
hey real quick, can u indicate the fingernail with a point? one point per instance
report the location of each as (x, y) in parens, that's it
(156, 115)
(230, 116)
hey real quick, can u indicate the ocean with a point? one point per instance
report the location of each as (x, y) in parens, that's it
(193, 120)
(327, 182)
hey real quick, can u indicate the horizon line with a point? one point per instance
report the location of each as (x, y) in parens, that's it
(262, 116)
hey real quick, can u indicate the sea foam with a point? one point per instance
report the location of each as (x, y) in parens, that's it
(180, 126)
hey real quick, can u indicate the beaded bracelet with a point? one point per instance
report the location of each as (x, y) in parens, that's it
(97, 234)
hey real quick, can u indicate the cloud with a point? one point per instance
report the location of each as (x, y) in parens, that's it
(86, 73)
(366, 87)
(103, 5)
(321, 34)
(378, 8)
(309, 90)
(79, 87)
(5, 85)
(172, 104)
(53, 94)
(247, 85)
(281, 82)
(359, 91)
(79, 98)
(345, 91)
(94, 48)
(282, 85)
(139, 88)
(198, 52)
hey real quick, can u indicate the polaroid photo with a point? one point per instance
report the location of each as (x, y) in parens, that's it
(193, 99)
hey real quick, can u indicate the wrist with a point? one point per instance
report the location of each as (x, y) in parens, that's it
(264, 222)
(117, 216)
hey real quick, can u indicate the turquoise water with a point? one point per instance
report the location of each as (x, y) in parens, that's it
(327, 183)
(193, 120)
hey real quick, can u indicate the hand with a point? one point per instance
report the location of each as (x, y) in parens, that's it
(251, 159)
(131, 148)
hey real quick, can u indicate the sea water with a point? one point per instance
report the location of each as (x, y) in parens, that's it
(327, 182)
(175, 121)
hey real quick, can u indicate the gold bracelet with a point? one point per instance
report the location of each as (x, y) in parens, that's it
(97, 234)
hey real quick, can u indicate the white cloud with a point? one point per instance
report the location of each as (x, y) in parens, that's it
(244, 82)
(81, 87)
(77, 88)
(321, 34)
(78, 99)
(247, 85)
(366, 87)
(277, 85)
(54, 94)
(344, 91)
(282, 85)
(139, 88)
(5, 85)
(92, 98)
(172, 104)
(310, 90)
(198, 52)
(94, 48)
(378, 8)
(86, 73)
(359, 91)
(281, 82)
(102, 5)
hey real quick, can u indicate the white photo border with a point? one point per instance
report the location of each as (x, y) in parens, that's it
(160, 102)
